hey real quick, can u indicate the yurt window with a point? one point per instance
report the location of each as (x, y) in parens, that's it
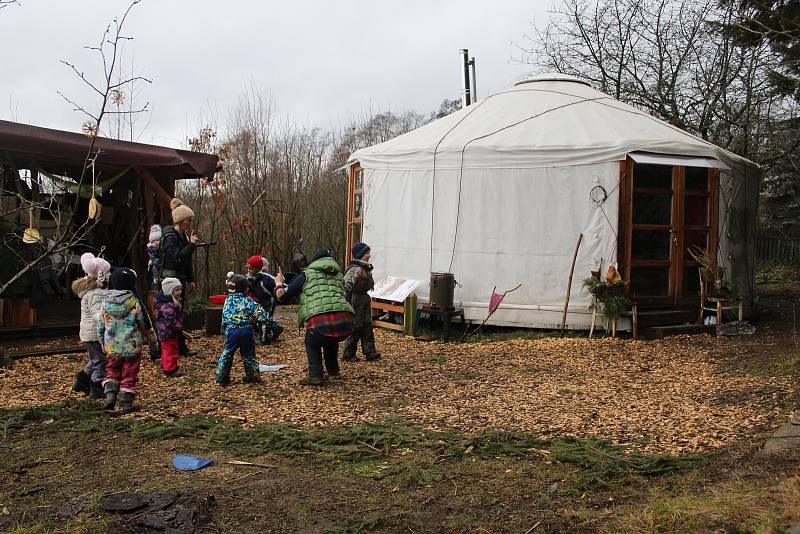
(355, 205)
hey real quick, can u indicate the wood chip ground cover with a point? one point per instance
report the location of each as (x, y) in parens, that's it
(668, 396)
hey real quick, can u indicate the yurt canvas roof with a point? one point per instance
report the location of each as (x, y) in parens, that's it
(547, 121)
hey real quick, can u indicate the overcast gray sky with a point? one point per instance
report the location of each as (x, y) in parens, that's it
(322, 61)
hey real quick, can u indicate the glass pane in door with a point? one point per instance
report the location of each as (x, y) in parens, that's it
(650, 245)
(652, 176)
(694, 239)
(649, 208)
(696, 179)
(650, 281)
(691, 281)
(696, 210)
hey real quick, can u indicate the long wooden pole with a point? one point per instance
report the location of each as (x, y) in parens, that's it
(569, 283)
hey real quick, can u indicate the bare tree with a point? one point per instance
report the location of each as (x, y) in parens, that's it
(672, 58)
(280, 183)
(30, 194)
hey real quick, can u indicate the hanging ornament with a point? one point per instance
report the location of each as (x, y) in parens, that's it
(94, 206)
(31, 235)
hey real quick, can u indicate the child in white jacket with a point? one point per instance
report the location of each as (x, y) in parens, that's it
(92, 290)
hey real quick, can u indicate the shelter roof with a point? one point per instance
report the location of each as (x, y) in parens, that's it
(64, 153)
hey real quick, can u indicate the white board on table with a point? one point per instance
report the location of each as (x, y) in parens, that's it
(394, 288)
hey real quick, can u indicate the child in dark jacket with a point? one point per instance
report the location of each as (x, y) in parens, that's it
(262, 290)
(358, 282)
(169, 323)
(238, 314)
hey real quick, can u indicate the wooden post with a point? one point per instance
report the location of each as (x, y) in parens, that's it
(569, 283)
(163, 197)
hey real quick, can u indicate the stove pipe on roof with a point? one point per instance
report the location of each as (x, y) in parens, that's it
(466, 97)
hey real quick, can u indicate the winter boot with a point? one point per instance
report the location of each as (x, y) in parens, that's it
(276, 332)
(83, 384)
(126, 402)
(111, 395)
(155, 352)
(312, 381)
(96, 390)
(251, 379)
(372, 357)
(173, 374)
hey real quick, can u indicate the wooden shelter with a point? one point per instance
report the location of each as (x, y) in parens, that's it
(133, 182)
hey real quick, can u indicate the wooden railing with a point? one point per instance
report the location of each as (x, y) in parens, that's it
(778, 248)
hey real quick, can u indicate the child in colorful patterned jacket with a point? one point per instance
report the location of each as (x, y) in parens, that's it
(238, 314)
(169, 324)
(121, 331)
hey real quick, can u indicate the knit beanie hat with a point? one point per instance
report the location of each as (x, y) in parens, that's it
(155, 233)
(168, 284)
(95, 267)
(179, 211)
(123, 279)
(359, 249)
(238, 284)
(255, 262)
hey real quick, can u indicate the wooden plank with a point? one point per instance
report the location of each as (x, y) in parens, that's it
(72, 349)
(387, 307)
(390, 326)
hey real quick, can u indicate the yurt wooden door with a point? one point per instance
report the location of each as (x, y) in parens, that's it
(666, 211)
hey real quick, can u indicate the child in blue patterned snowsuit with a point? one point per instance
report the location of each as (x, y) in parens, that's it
(238, 315)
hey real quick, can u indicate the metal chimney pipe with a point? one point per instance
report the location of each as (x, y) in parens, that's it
(474, 89)
(465, 84)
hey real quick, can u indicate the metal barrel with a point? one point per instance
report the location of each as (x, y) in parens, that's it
(441, 290)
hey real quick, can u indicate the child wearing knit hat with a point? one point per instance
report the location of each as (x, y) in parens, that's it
(169, 323)
(122, 330)
(153, 252)
(358, 282)
(238, 315)
(91, 289)
(262, 290)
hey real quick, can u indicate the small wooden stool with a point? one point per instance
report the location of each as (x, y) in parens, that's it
(634, 313)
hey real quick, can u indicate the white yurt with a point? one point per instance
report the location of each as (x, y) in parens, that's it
(498, 193)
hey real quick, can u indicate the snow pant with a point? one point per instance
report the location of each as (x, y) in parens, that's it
(319, 347)
(363, 333)
(267, 328)
(169, 354)
(122, 374)
(241, 339)
(95, 367)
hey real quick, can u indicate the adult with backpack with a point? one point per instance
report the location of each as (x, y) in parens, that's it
(178, 243)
